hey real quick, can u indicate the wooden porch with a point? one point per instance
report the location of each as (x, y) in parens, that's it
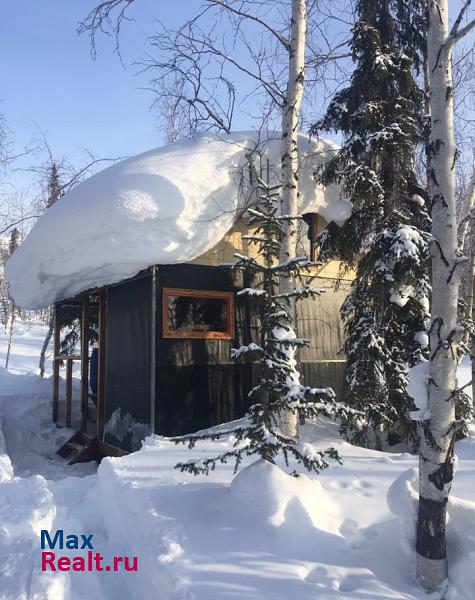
(87, 442)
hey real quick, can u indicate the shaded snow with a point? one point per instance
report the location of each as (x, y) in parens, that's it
(166, 206)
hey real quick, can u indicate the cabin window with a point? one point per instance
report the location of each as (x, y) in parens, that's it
(308, 228)
(198, 314)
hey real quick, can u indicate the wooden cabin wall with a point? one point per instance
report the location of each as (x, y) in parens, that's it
(197, 382)
(224, 250)
(128, 366)
(320, 322)
(323, 363)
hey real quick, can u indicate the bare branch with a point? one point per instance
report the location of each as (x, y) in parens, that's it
(18, 222)
(456, 32)
(463, 32)
(282, 39)
(100, 19)
(65, 187)
(271, 88)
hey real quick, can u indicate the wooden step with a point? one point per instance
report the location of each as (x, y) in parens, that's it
(82, 447)
(77, 439)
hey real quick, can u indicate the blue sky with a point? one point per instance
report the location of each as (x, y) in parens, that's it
(49, 81)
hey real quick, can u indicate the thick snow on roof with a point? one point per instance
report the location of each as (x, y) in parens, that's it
(169, 205)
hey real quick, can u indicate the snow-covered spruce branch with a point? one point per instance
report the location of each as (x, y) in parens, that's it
(255, 438)
(306, 291)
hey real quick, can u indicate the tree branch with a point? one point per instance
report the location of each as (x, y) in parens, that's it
(99, 19)
(456, 32)
(15, 223)
(463, 32)
(282, 39)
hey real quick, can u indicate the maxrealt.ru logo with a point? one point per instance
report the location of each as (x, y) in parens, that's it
(88, 560)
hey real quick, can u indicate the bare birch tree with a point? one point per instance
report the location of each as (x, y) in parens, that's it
(436, 456)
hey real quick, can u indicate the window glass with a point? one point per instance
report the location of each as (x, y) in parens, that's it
(196, 313)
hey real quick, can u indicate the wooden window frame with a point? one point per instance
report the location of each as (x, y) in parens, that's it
(228, 297)
(315, 223)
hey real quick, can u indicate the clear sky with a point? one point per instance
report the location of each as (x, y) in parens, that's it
(49, 81)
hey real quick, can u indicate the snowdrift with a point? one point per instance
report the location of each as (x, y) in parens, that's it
(169, 205)
(346, 534)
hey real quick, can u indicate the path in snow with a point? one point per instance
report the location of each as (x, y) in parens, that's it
(34, 498)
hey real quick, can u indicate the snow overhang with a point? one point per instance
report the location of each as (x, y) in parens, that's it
(166, 206)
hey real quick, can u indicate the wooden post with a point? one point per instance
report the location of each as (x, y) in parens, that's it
(101, 372)
(69, 390)
(153, 368)
(56, 341)
(84, 362)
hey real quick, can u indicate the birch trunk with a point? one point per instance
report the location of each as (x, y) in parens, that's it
(10, 336)
(46, 342)
(290, 160)
(436, 456)
(472, 308)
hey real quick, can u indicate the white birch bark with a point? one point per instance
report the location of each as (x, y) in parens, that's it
(436, 454)
(290, 160)
(471, 305)
(10, 335)
(44, 348)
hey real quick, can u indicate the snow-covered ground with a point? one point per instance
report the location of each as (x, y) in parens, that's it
(343, 535)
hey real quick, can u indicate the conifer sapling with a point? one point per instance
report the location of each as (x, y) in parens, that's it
(279, 389)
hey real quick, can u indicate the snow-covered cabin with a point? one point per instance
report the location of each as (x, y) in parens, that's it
(141, 245)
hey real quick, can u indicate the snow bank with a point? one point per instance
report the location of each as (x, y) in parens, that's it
(26, 506)
(166, 206)
(402, 500)
(418, 386)
(263, 495)
(260, 535)
(6, 469)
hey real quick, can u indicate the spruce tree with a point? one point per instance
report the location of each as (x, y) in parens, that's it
(380, 115)
(53, 185)
(53, 192)
(278, 390)
(14, 241)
